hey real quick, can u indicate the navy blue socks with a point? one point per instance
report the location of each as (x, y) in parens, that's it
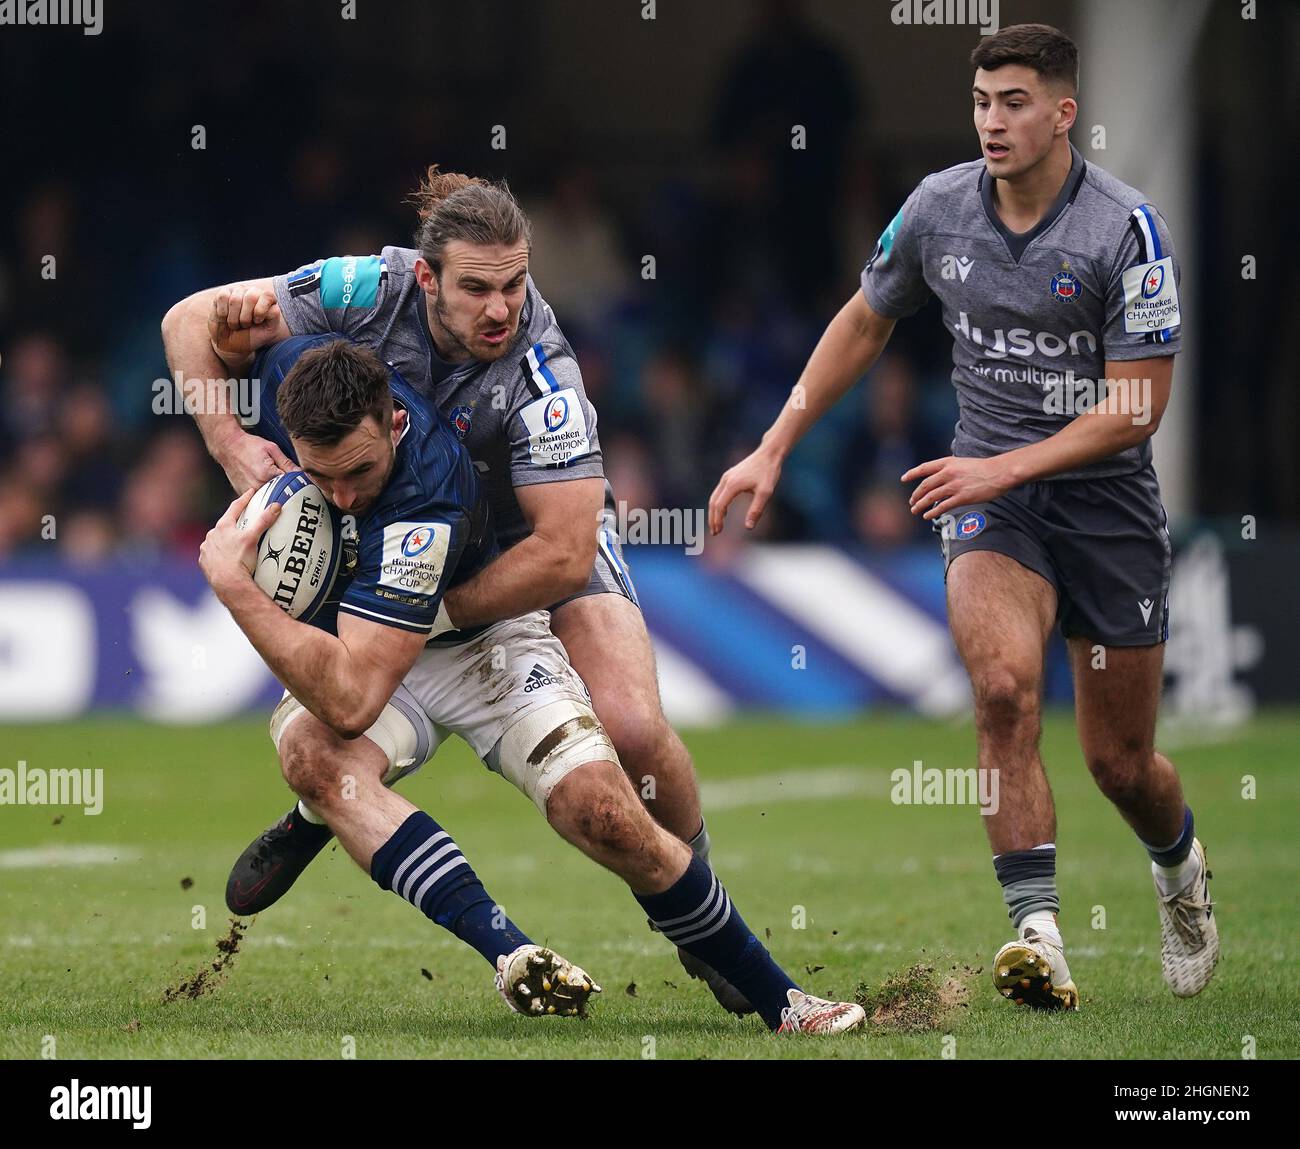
(696, 914)
(422, 864)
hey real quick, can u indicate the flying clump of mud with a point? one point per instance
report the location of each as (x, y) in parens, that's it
(208, 977)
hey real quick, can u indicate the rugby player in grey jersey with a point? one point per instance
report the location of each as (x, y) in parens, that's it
(460, 318)
(1059, 286)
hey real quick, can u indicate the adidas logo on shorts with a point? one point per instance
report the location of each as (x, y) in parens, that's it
(537, 678)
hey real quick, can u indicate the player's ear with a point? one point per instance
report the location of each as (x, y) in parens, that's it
(1067, 111)
(425, 277)
(399, 423)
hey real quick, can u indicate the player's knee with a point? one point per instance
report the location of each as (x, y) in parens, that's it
(594, 808)
(310, 770)
(1006, 698)
(638, 729)
(1120, 769)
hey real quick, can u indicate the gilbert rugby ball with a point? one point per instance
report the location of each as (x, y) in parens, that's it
(298, 555)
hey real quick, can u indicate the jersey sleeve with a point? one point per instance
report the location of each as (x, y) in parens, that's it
(551, 424)
(404, 565)
(1142, 313)
(893, 280)
(343, 294)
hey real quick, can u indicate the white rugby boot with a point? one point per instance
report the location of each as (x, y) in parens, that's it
(1189, 932)
(536, 982)
(808, 1014)
(1032, 971)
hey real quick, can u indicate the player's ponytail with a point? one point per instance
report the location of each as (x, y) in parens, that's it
(452, 205)
(436, 186)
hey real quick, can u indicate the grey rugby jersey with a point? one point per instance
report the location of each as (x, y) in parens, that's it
(1034, 317)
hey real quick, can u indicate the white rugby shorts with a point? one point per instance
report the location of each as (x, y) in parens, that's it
(510, 693)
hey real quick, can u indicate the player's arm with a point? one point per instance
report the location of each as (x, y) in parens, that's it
(1137, 393)
(558, 478)
(551, 563)
(212, 336)
(217, 333)
(849, 347)
(344, 680)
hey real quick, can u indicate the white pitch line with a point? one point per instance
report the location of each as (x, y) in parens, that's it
(795, 786)
(40, 857)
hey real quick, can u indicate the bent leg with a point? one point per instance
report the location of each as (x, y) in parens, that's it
(1116, 696)
(400, 846)
(595, 808)
(341, 781)
(607, 643)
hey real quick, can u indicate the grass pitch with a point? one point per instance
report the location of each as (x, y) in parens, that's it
(98, 914)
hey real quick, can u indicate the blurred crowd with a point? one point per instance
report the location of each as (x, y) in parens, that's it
(687, 357)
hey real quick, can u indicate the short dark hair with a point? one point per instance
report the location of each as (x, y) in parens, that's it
(330, 390)
(456, 206)
(1049, 51)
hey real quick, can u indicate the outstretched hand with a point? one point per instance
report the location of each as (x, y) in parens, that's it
(758, 473)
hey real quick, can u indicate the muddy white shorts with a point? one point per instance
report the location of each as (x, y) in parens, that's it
(509, 692)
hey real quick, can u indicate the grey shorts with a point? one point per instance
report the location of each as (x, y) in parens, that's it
(610, 574)
(1102, 543)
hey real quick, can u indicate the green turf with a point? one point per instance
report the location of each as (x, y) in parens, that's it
(87, 951)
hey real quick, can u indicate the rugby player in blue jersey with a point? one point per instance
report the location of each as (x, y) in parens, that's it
(1060, 289)
(371, 691)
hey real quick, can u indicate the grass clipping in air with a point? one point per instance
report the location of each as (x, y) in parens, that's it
(915, 1000)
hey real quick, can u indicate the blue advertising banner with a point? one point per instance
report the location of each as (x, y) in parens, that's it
(812, 630)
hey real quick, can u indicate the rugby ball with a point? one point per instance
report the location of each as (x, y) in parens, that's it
(298, 555)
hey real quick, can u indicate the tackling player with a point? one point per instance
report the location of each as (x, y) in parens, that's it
(371, 698)
(1059, 287)
(460, 317)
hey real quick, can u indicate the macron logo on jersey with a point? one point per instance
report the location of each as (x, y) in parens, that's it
(954, 268)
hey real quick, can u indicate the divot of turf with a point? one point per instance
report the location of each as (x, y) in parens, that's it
(915, 1000)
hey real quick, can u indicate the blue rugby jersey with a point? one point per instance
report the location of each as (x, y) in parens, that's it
(428, 530)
